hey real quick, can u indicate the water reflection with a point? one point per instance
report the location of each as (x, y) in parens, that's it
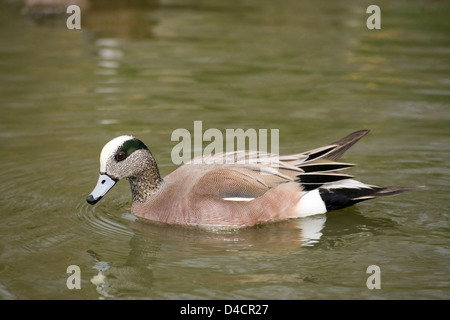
(153, 242)
(267, 238)
(109, 56)
(154, 246)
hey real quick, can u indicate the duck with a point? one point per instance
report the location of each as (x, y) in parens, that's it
(235, 189)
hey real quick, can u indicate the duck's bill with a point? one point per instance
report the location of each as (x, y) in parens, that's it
(104, 184)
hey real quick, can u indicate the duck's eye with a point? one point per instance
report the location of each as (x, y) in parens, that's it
(121, 156)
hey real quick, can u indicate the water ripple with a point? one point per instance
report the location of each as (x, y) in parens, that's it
(102, 222)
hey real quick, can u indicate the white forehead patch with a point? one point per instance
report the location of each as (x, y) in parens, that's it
(110, 149)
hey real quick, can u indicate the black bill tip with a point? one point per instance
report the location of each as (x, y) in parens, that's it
(91, 200)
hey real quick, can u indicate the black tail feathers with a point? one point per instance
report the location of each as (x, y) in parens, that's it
(339, 198)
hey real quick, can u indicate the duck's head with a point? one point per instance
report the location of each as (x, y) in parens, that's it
(121, 158)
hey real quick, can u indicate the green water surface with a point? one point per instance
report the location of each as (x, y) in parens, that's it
(311, 69)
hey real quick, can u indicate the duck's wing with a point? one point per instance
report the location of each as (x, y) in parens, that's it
(249, 174)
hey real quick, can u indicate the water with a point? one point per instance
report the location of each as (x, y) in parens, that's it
(313, 71)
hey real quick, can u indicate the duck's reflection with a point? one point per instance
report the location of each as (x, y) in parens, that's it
(154, 245)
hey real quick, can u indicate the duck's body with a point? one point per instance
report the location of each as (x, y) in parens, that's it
(193, 196)
(235, 189)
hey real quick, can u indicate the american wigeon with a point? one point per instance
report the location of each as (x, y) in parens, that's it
(235, 189)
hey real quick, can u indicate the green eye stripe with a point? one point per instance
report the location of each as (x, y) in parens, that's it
(131, 146)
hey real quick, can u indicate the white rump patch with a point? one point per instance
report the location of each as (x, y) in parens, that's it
(311, 203)
(237, 199)
(110, 149)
